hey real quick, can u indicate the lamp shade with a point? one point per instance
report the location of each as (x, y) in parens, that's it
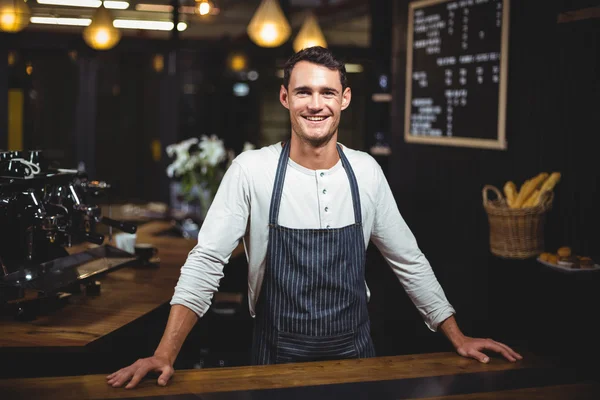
(203, 7)
(269, 27)
(14, 15)
(101, 34)
(310, 34)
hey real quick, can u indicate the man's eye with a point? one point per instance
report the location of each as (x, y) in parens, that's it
(329, 94)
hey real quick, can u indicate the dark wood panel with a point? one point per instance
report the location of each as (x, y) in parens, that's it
(582, 391)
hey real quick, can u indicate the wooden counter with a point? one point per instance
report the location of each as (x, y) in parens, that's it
(435, 375)
(126, 295)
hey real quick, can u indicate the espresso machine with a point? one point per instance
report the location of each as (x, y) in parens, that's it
(44, 212)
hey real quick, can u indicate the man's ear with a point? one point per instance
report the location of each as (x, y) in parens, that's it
(283, 97)
(346, 97)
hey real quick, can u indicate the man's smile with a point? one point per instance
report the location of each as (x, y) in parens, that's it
(315, 118)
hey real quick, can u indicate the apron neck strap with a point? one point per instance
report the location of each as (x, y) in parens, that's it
(280, 178)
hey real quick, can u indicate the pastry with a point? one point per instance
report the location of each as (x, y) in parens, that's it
(569, 262)
(564, 252)
(545, 257)
(586, 262)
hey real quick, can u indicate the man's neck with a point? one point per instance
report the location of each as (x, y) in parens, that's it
(311, 157)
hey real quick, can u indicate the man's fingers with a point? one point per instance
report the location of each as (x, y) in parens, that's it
(167, 373)
(121, 377)
(503, 349)
(137, 377)
(479, 356)
(113, 375)
(510, 351)
(474, 348)
(133, 374)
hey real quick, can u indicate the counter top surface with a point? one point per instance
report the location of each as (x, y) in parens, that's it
(127, 294)
(433, 375)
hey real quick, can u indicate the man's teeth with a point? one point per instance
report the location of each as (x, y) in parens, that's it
(315, 118)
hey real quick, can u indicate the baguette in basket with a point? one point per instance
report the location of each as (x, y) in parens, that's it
(516, 219)
(532, 192)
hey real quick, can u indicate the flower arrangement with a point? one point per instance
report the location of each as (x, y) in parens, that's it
(199, 165)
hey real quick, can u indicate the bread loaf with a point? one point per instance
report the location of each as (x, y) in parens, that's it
(510, 192)
(547, 186)
(552, 180)
(529, 187)
(532, 200)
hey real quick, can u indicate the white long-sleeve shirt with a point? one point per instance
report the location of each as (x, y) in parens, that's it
(310, 199)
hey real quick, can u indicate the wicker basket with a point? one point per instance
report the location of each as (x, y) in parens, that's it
(515, 232)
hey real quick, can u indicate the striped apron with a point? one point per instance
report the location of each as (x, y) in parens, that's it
(313, 302)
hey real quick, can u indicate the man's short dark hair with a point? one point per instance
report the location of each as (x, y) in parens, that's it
(316, 55)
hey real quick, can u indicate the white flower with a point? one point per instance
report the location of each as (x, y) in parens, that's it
(170, 170)
(204, 166)
(183, 162)
(248, 146)
(212, 150)
(178, 167)
(181, 149)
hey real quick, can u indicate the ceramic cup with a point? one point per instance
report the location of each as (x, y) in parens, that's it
(145, 251)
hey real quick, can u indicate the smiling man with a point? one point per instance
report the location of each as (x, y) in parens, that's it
(315, 103)
(306, 209)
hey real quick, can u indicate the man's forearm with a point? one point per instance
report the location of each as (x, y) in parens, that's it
(180, 323)
(450, 328)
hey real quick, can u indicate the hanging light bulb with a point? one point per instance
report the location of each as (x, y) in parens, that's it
(158, 63)
(14, 15)
(101, 34)
(203, 7)
(310, 34)
(12, 58)
(237, 62)
(269, 27)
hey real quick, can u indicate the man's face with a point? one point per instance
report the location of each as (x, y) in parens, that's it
(315, 99)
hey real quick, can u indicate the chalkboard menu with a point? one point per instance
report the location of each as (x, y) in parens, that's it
(456, 73)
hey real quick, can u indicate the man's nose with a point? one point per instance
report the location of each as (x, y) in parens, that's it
(316, 102)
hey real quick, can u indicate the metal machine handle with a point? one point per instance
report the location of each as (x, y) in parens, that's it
(93, 237)
(124, 226)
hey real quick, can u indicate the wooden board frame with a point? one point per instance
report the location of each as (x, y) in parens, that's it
(497, 144)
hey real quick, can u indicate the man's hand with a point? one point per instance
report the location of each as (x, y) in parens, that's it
(136, 371)
(180, 323)
(474, 347)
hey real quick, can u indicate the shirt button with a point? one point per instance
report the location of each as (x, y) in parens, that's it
(322, 174)
(324, 191)
(326, 209)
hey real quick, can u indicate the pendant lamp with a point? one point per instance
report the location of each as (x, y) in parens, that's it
(310, 34)
(203, 7)
(101, 34)
(269, 27)
(14, 15)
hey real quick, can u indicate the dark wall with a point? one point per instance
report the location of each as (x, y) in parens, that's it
(104, 109)
(552, 124)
